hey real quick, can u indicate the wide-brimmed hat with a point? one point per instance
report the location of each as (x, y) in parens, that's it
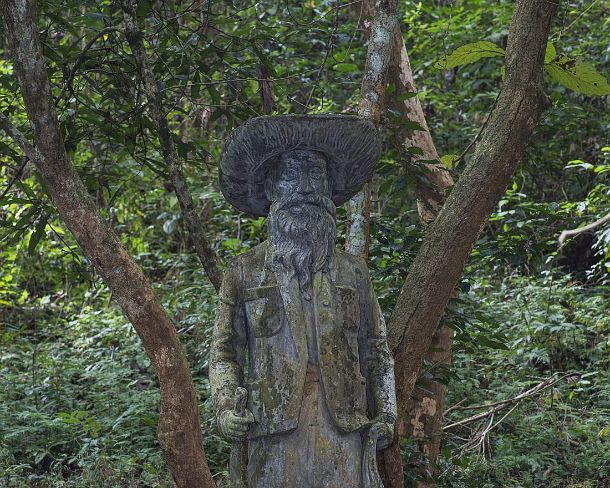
(351, 144)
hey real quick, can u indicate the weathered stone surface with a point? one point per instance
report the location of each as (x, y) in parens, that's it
(299, 326)
(350, 142)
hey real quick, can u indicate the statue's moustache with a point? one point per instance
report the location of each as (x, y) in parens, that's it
(314, 199)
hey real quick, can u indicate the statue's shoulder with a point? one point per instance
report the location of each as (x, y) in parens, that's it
(349, 259)
(253, 258)
(348, 263)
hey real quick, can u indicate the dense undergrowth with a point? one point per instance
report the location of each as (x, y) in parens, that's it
(79, 400)
(550, 333)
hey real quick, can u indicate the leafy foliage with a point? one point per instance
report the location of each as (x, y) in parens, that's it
(578, 75)
(574, 74)
(469, 53)
(548, 325)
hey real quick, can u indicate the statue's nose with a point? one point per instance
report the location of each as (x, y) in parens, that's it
(305, 185)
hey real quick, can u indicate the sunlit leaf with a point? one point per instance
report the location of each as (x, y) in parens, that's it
(578, 75)
(449, 160)
(550, 53)
(345, 67)
(469, 53)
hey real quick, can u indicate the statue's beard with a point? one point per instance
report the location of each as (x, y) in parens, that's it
(303, 231)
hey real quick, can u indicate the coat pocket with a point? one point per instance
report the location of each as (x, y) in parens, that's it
(264, 310)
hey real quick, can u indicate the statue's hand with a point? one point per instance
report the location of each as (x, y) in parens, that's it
(384, 430)
(234, 427)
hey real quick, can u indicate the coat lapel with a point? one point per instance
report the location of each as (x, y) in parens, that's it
(291, 298)
(324, 312)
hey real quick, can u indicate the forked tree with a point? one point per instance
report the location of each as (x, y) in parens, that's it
(432, 276)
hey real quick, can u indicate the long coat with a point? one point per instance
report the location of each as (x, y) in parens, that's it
(260, 321)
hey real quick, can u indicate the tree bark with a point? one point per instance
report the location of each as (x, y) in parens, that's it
(439, 263)
(426, 405)
(179, 428)
(384, 22)
(430, 197)
(194, 224)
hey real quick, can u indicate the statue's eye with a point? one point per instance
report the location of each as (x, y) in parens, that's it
(290, 174)
(315, 173)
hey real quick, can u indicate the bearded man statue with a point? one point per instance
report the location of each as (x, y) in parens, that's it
(298, 323)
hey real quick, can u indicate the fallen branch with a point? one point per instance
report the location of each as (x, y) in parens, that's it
(499, 405)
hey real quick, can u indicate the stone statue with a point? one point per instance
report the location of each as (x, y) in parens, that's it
(298, 324)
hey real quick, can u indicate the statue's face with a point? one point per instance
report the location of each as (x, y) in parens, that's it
(300, 173)
(301, 221)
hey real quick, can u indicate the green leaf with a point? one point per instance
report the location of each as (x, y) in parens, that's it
(265, 60)
(183, 148)
(37, 234)
(578, 163)
(448, 160)
(345, 67)
(406, 95)
(579, 76)
(550, 53)
(415, 151)
(143, 10)
(214, 95)
(469, 53)
(196, 86)
(412, 125)
(169, 225)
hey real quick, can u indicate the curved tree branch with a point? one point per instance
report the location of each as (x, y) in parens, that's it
(81, 57)
(179, 429)
(439, 263)
(574, 232)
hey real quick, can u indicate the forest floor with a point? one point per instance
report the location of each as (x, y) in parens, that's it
(78, 399)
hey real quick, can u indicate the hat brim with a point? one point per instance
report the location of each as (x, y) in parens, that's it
(351, 144)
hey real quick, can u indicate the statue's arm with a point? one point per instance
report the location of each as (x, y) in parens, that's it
(379, 363)
(228, 343)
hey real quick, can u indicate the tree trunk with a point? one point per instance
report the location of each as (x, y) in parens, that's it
(439, 263)
(384, 21)
(179, 428)
(426, 405)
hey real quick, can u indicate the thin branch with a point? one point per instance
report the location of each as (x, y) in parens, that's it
(34, 155)
(193, 222)
(499, 405)
(30, 151)
(81, 57)
(15, 177)
(574, 232)
(328, 51)
(476, 138)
